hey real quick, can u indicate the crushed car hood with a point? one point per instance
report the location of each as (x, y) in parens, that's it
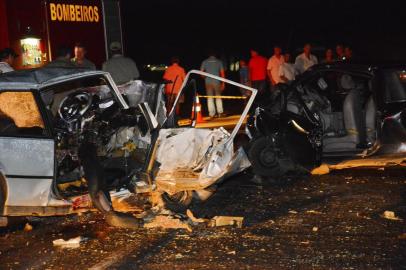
(193, 159)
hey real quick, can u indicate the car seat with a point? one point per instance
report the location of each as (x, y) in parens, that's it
(352, 113)
(370, 120)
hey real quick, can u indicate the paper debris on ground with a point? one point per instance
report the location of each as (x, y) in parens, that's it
(218, 221)
(71, 243)
(390, 215)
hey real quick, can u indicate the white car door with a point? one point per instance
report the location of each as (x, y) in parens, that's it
(26, 151)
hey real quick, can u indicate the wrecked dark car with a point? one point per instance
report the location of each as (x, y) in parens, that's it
(340, 115)
(71, 140)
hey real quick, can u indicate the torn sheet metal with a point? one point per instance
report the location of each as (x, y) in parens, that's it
(192, 159)
(377, 162)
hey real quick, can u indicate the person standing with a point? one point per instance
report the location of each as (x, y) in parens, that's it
(274, 64)
(7, 57)
(305, 60)
(122, 69)
(214, 66)
(257, 71)
(287, 71)
(175, 76)
(347, 53)
(62, 60)
(80, 59)
(244, 77)
(328, 57)
(340, 52)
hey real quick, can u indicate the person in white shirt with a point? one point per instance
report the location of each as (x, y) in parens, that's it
(287, 71)
(7, 57)
(306, 59)
(274, 64)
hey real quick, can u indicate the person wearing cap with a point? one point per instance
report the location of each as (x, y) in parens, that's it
(7, 57)
(80, 59)
(122, 69)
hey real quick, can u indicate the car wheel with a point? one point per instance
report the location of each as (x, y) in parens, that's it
(264, 160)
(178, 202)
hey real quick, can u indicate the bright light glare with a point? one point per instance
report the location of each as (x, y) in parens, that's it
(30, 41)
(402, 148)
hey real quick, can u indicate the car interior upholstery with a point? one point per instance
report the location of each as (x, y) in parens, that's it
(346, 127)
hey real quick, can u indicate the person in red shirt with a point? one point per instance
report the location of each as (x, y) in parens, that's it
(174, 75)
(257, 71)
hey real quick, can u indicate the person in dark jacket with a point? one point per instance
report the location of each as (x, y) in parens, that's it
(63, 55)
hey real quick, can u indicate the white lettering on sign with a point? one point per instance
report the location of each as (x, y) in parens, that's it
(74, 13)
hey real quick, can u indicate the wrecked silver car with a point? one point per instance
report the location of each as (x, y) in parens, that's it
(71, 140)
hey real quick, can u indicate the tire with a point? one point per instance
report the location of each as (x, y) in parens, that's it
(263, 158)
(266, 162)
(178, 202)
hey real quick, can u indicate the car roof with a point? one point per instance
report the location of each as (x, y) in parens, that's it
(40, 77)
(343, 66)
(359, 67)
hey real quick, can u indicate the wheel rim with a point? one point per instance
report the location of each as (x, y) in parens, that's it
(267, 157)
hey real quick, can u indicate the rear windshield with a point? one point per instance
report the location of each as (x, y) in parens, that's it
(395, 86)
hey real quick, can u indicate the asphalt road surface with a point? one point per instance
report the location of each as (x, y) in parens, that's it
(323, 222)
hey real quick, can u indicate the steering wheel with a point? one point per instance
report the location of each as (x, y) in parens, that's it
(74, 106)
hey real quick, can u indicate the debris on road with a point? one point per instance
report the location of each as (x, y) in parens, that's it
(125, 201)
(190, 215)
(379, 163)
(390, 215)
(315, 229)
(167, 222)
(27, 227)
(71, 243)
(178, 256)
(219, 221)
(314, 212)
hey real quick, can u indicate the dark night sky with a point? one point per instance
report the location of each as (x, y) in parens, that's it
(155, 30)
